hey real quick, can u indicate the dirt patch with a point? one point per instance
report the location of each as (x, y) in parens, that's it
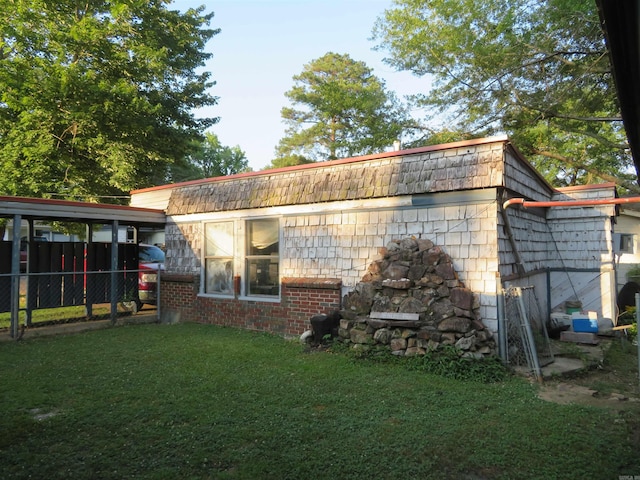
(570, 393)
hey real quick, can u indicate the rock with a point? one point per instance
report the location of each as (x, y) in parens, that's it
(359, 336)
(407, 333)
(346, 323)
(429, 334)
(441, 309)
(361, 347)
(393, 246)
(432, 256)
(465, 343)
(378, 266)
(424, 244)
(413, 351)
(461, 298)
(344, 333)
(376, 323)
(474, 355)
(446, 271)
(416, 272)
(382, 304)
(409, 243)
(401, 284)
(415, 277)
(412, 305)
(455, 324)
(448, 339)
(383, 336)
(359, 301)
(398, 344)
(395, 271)
(618, 396)
(458, 312)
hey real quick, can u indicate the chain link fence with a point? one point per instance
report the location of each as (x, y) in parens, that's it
(51, 298)
(528, 343)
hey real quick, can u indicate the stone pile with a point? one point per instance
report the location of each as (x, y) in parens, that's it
(412, 301)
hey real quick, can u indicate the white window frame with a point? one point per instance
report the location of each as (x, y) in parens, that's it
(261, 262)
(627, 243)
(241, 258)
(206, 257)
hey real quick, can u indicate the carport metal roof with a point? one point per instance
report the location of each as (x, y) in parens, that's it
(65, 210)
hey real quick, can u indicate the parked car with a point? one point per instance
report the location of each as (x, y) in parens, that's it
(150, 260)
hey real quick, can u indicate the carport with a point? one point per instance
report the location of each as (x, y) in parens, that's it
(47, 210)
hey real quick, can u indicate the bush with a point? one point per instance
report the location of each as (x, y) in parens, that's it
(629, 318)
(447, 361)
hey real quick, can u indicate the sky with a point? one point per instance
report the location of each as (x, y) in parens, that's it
(264, 43)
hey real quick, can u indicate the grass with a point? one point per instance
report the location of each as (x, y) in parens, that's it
(56, 315)
(618, 373)
(198, 401)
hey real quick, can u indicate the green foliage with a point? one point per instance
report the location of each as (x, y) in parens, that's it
(96, 96)
(209, 158)
(446, 361)
(633, 272)
(198, 401)
(340, 109)
(628, 317)
(288, 161)
(538, 71)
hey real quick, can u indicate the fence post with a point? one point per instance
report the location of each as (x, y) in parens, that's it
(637, 335)
(502, 324)
(15, 277)
(114, 268)
(158, 292)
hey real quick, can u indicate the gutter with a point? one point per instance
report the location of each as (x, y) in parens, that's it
(568, 203)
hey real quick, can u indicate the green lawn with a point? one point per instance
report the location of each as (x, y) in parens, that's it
(198, 401)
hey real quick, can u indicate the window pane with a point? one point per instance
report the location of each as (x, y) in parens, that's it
(219, 273)
(626, 243)
(262, 237)
(263, 276)
(219, 239)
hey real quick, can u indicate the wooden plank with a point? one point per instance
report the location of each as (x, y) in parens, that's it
(395, 316)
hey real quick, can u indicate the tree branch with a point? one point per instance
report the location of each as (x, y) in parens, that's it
(609, 178)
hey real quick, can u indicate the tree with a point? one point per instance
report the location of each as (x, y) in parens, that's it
(97, 96)
(342, 110)
(288, 161)
(538, 71)
(210, 159)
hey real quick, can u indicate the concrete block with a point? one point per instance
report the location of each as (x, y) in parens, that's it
(579, 337)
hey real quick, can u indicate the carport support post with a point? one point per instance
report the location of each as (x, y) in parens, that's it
(15, 276)
(88, 304)
(114, 268)
(29, 279)
(638, 336)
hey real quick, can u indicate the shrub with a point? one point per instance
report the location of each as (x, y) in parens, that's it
(447, 361)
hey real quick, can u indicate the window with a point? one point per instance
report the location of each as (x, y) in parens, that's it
(262, 257)
(219, 258)
(626, 243)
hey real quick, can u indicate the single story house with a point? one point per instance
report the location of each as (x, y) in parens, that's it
(267, 250)
(626, 244)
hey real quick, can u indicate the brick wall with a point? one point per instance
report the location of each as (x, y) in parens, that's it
(300, 299)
